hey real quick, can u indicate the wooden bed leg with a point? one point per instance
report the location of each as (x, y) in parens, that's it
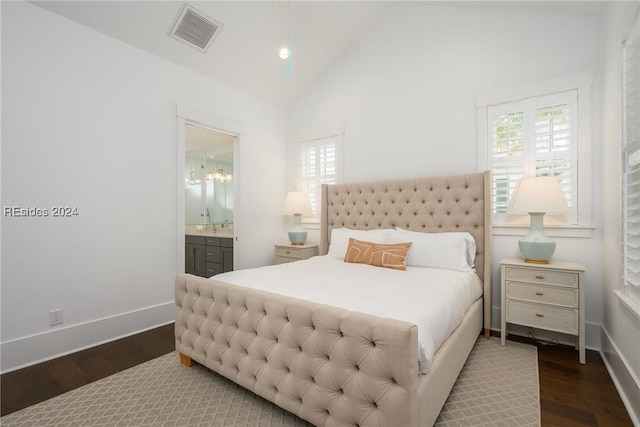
(487, 333)
(186, 360)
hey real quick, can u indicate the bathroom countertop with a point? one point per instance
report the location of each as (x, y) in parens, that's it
(207, 233)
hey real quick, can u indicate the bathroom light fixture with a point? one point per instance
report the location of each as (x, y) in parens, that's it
(219, 175)
(297, 204)
(537, 196)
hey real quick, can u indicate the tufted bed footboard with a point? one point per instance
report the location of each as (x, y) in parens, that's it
(329, 366)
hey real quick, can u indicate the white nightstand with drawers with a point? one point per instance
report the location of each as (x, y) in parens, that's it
(544, 296)
(290, 253)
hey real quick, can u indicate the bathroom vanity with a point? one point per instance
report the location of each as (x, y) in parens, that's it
(207, 255)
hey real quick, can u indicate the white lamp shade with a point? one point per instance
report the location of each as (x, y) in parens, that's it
(538, 194)
(297, 203)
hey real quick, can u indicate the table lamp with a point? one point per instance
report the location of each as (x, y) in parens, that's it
(537, 196)
(297, 204)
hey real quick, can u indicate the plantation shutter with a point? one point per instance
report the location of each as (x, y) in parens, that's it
(317, 166)
(554, 136)
(631, 157)
(507, 151)
(533, 137)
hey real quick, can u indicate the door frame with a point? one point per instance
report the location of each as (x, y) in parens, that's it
(196, 117)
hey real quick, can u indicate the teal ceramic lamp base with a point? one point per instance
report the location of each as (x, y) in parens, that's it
(297, 238)
(536, 247)
(297, 235)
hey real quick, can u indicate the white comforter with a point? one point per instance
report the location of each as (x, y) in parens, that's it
(434, 300)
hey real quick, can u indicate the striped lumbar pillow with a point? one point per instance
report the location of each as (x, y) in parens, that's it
(381, 255)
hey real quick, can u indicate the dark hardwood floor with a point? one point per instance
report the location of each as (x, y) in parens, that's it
(34, 384)
(571, 394)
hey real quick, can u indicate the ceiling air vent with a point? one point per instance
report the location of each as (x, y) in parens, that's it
(195, 28)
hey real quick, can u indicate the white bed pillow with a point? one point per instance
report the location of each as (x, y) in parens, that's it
(450, 251)
(340, 239)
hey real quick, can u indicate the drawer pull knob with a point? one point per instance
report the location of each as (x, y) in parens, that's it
(540, 293)
(540, 277)
(288, 252)
(539, 315)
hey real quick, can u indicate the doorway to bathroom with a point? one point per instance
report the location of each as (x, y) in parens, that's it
(207, 192)
(208, 197)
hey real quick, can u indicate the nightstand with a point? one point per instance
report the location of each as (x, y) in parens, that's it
(544, 296)
(290, 253)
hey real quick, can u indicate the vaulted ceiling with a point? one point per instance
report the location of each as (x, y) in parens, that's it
(244, 54)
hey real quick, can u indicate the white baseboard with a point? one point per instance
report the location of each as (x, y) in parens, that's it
(627, 384)
(26, 351)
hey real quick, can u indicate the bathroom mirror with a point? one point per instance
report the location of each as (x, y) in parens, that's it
(208, 178)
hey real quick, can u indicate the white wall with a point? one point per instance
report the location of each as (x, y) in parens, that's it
(90, 122)
(620, 328)
(406, 96)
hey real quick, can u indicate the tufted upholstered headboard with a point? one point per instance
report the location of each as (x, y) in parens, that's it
(432, 204)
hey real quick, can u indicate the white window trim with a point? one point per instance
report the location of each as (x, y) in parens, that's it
(628, 302)
(582, 82)
(310, 223)
(629, 296)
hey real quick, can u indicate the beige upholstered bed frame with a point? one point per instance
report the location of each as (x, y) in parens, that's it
(331, 366)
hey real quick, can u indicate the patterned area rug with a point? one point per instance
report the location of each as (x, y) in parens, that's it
(497, 387)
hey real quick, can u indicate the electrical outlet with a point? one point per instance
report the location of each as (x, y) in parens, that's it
(55, 317)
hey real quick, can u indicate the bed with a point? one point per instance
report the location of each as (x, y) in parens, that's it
(327, 364)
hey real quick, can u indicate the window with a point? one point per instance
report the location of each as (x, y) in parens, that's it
(631, 162)
(536, 136)
(318, 165)
(539, 128)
